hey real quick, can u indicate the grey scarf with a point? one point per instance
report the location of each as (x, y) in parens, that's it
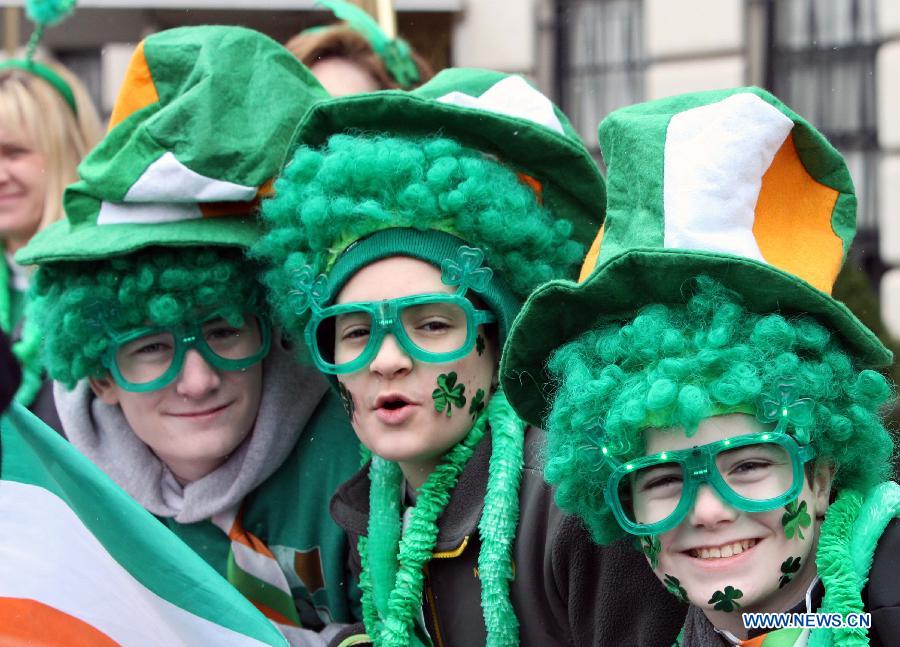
(290, 395)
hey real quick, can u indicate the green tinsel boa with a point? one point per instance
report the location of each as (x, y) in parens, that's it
(393, 561)
(26, 349)
(853, 525)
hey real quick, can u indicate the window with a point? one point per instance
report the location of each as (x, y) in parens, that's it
(821, 62)
(599, 60)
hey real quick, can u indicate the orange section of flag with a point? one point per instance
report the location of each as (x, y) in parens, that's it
(590, 261)
(138, 90)
(793, 221)
(754, 642)
(32, 623)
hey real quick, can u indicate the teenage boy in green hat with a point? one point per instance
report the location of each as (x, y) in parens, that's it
(183, 392)
(404, 234)
(705, 394)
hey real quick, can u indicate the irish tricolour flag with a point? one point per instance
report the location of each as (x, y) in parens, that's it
(81, 563)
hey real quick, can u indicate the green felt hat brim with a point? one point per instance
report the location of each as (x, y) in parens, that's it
(561, 311)
(60, 242)
(575, 191)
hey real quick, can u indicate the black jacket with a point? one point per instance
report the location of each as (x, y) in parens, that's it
(566, 591)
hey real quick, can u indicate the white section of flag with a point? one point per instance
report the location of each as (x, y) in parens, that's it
(168, 180)
(51, 556)
(715, 158)
(514, 97)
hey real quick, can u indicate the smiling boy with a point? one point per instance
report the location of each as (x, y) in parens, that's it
(169, 374)
(707, 396)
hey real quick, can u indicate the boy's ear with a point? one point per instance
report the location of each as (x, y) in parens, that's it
(823, 476)
(105, 389)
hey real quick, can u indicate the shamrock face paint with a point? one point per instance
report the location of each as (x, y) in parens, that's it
(795, 519)
(407, 410)
(650, 546)
(448, 394)
(346, 399)
(726, 600)
(724, 560)
(789, 568)
(674, 587)
(477, 405)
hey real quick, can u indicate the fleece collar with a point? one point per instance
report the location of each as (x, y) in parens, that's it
(290, 396)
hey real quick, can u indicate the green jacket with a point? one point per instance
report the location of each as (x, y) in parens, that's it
(310, 547)
(300, 449)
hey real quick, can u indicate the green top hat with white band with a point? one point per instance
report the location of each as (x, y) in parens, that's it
(201, 125)
(488, 111)
(728, 183)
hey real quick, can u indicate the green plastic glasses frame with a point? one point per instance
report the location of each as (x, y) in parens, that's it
(698, 465)
(186, 336)
(386, 317)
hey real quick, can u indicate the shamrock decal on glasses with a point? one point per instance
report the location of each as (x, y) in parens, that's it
(310, 292)
(465, 270)
(784, 406)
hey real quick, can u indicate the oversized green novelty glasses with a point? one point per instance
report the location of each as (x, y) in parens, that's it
(755, 473)
(147, 359)
(434, 328)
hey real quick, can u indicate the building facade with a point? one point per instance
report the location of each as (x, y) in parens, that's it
(837, 62)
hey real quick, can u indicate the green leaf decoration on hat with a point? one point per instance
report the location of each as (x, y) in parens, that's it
(466, 271)
(309, 292)
(448, 393)
(726, 600)
(395, 53)
(795, 519)
(784, 406)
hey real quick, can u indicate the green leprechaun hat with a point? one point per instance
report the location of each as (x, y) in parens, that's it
(201, 126)
(728, 183)
(489, 111)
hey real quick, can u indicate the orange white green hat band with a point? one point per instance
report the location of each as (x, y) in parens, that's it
(196, 135)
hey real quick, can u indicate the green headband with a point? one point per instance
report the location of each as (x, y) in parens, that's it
(394, 52)
(46, 73)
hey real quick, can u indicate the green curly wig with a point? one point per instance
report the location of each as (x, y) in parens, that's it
(679, 364)
(361, 183)
(79, 304)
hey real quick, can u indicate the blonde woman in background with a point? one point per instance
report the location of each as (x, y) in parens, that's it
(47, 124)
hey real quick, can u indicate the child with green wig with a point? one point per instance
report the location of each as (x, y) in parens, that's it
(403, 236)
(169, 374)
(707, 396)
